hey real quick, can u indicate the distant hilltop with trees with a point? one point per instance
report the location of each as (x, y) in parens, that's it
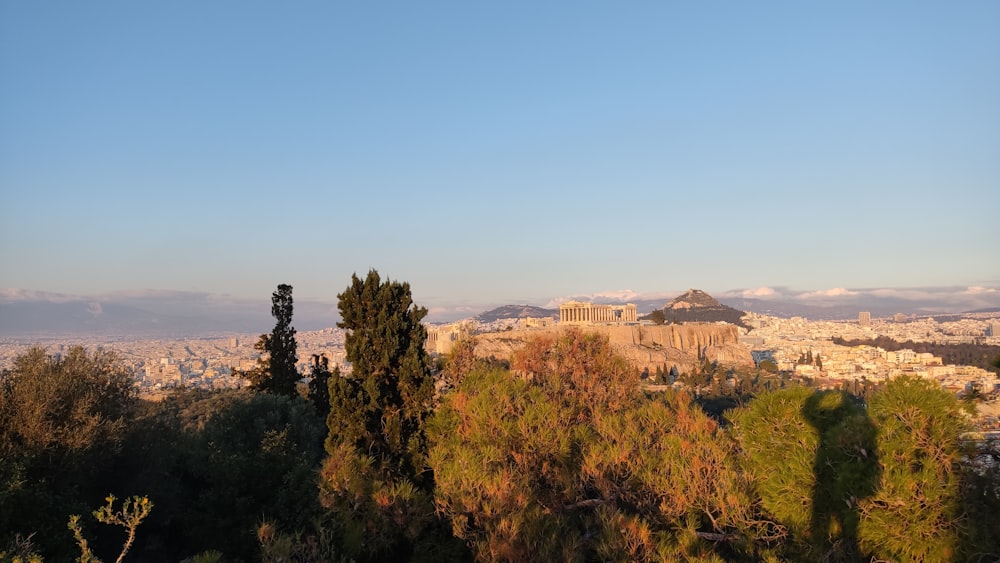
(696, 306)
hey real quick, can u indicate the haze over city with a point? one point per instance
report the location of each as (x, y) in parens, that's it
(190, 157)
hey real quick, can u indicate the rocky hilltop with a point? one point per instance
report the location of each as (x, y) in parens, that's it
(693, 299)
(646, 347)
(696, 306)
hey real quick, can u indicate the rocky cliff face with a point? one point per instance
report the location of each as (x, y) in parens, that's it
(646, 347)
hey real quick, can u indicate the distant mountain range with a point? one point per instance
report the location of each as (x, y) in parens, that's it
(37, 318)
(91, 317)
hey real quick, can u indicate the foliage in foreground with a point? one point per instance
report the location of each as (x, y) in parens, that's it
(133, 511)
(561, 459)
(811, 455)
(216, 463)
(854, 483)
(220, 463)
(915, 513)
(565, 460)
(374, 482)
(62, 421)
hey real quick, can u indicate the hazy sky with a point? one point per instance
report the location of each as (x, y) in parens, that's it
(498, 152)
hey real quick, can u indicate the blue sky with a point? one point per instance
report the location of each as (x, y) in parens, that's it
(498, 152)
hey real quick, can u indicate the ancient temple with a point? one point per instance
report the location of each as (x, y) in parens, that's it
(578, 312)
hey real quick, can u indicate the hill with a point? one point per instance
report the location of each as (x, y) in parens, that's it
(693, 299)
(515, 312)
(696, 306)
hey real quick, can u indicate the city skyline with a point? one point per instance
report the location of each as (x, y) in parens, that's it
(492, 155)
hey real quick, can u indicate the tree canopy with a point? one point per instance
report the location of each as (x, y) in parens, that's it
(564, 459)
(374, 480)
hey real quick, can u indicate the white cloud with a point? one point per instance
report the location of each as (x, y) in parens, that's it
(556, 302)
(443, 314)
(759, 292)
(972, 295)
(834, 292)
(979, 290)
(763, 292)
(14, 295)
(938, 299)
(613, 296)
(620, 295)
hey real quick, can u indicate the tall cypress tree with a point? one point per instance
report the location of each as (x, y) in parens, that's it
(276, 372)
(381, 406)
(319, 383)
(374, 481)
